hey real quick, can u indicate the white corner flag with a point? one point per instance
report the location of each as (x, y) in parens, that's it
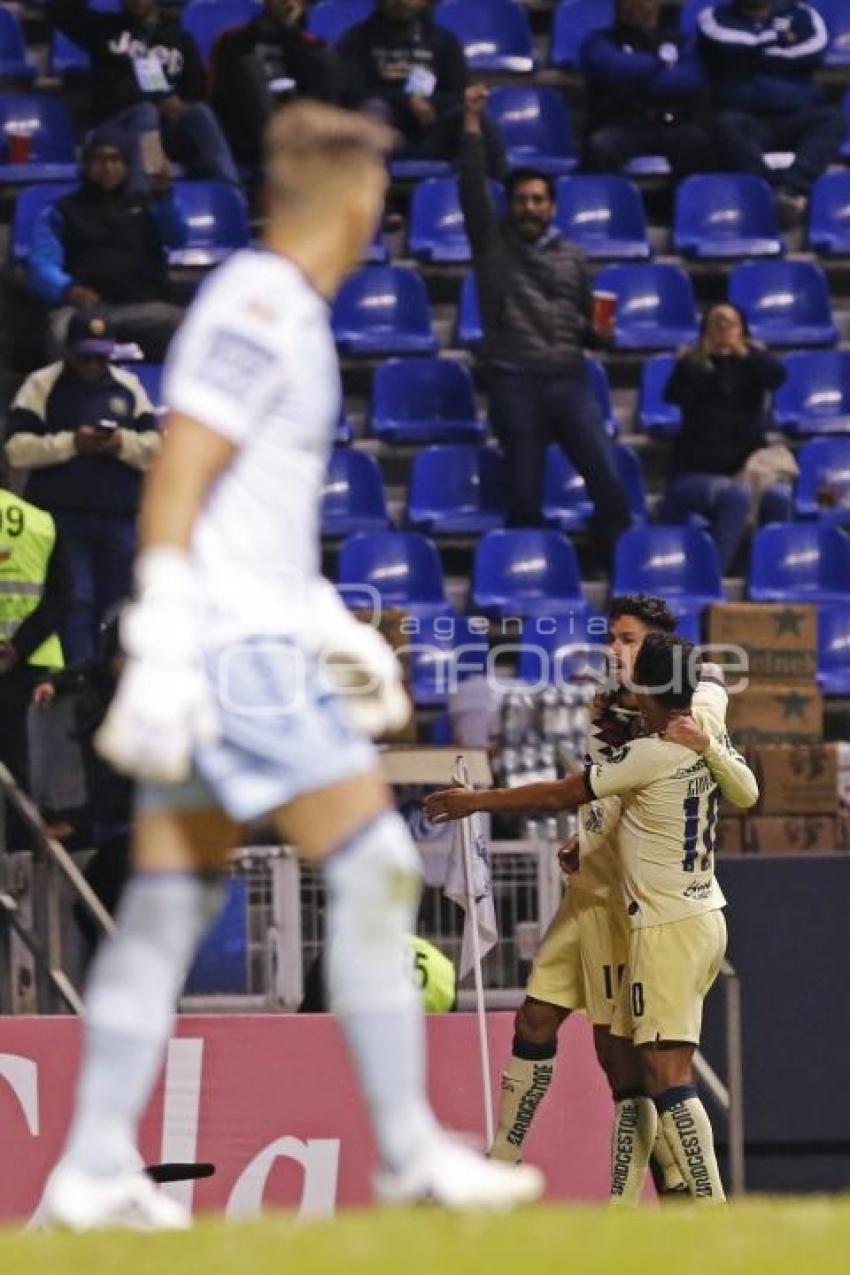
(477, 896)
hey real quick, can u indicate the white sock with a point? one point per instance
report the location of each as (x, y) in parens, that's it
(688, 1130)
(134, 984)
(632, 1140)
(525, 1083)
(374, 882)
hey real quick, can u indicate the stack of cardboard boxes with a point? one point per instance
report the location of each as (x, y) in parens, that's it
(777, 720)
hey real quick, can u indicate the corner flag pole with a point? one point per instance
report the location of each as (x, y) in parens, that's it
(461, 775)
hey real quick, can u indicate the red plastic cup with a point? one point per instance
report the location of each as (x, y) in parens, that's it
(604, 312)
(19, 141)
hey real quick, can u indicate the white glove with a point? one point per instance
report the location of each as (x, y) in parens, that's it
(163, 708)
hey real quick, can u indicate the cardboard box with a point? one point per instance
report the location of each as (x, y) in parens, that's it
(798, 835)
(780, 641)
(800, 780)
(729, 836)
(776, 713)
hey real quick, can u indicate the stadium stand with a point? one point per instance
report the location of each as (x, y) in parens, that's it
(800, 562)
(834, 648)
(726, 215)
(787, 303)
(353, 498)
(536, 128)
(495, 34)
(656, 309)
(815, 399)
(604, 215)
(457, 488)
(424, 401)
(823, 487)
(401, 568)
(526, 573)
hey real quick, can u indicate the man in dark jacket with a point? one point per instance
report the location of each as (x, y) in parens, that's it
(536, 299)
(86, 432)
(268, 60)
(761, 56)
(104, 246)
(646, 91)
(148, 79)
(405, 67)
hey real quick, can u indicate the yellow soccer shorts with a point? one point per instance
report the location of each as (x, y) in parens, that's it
(582, 956)
(670, 971)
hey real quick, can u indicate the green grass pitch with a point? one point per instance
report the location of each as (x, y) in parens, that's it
(793, 1237)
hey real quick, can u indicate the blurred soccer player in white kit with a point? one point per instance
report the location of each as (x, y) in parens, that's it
(250, 691)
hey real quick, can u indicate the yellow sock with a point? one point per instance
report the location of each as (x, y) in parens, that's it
(632, 1140)
(688, 1128)
(525, 1083)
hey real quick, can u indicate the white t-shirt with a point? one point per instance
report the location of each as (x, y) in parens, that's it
(255, 361)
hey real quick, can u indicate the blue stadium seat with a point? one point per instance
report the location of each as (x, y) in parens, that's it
(150, 374)
(330, 19)
(815, 398)
(469, 331)
(344, 432)
(834, 649)
(536, 128)
(353, 495)
(654, 414)
(217, 218)
(457, 489)
(800, 562)
(786, 302)
(601, 387)
(655, 306)
(823, 487)
(526, 573)
(604, 215)
(845, 106)
(829, 215)
(494, 33)
(443, 652)
(402, 568)
(836, 13)
(67, 59)
(383, 310)
(565, 649)
(14, 64)
(418, 169)
(28, 206)
(437, 230)
(205, 21)
(689, 13)
(676, 563)
(575, 19)
(48, 121)
(726, 215)
(566, 502)
(378, 252)
(424, 401)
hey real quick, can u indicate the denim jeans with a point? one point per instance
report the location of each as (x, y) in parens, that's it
(814, 135)
(99, 549)
(727, 504)
(193, 139)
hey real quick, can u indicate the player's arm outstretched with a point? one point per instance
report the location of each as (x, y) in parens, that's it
(457, 803)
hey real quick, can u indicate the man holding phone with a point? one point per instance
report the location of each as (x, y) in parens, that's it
(86, 432)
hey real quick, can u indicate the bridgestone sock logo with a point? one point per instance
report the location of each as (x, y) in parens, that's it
(529, 1103)
(625, 1147)
(689, 1141)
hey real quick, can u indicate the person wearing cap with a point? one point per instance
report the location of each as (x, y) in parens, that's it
(85, 431)
(104, 246)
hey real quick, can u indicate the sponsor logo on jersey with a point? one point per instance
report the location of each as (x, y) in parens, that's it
(698, 890)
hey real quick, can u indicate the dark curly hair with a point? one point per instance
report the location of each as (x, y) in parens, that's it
(666, 670)
(651, 611)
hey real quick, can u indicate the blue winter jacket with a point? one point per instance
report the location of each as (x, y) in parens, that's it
(763, 67)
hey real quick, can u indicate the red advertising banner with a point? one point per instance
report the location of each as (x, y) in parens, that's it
(272, 1102)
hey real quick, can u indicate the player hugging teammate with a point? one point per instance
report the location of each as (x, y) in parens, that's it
(640, 935)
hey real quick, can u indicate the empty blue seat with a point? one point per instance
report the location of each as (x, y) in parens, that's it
(527, 573)
(330, 19)
(437, 228)
(399, 569)
(836, 13)
(566, 502)
(353, 495)
(786, 302)
(823, 486)
(46, 119)
(604, 215)
(655, 306)
(834, 648)
(383, 310)
(29, 205)
(679, 564)
(815, 398)
(14, 64)
(424, 401)
(800, 562)
(469, 331)
(443, 652)
(536, 128)
(575, 19)
(654, 414)
(205, 21)
(726, 215)
(829, 215)
(217, 220)
(457, 489)
(494, 33)
(564, 649)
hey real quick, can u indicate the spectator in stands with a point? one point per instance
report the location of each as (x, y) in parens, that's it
(34, 600)
(86, 432)
(536, 298)
(761, 56)
(403, 66)
(646, 93)
(103, 246)
(268, 60)
(148, 79)
(722, 467)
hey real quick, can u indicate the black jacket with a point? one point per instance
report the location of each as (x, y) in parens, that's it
(112, 40)
(640, 77)
(536, 300)
(723, 406)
